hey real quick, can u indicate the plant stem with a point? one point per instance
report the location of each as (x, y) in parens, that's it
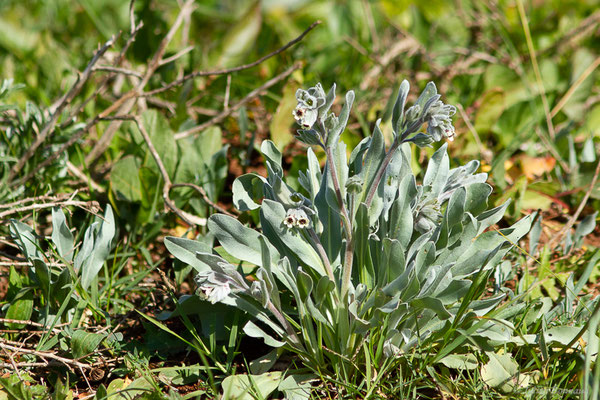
(381, 172)
(322, 253)
(286, 325)
(349, 253)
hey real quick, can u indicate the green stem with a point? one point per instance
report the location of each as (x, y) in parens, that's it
(322, 253)
(286, 325)
(349, 253)
(381, 172)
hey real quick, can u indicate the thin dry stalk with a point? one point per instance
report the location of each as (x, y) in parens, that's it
(46, 354)
(63, 103)
(197, 74)
(252, 95)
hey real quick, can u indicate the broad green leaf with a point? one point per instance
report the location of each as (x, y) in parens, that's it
(490, 217)
(252, 330)
(392, 264)
(437, 170)
(99, 236)
(398, 111)
(328, 217)
(42, 272)
(185, 251)
(427, 94)
(563, 335)
(373, 159)
(21, 309)
(305, 284)
(340, 163)
(456, 207)
(585, 227)
(272, 156)
(335, 133)
(273, 214)
(460, 361)
(60, 288)
(197, 157)
(477, 197)
(264, 363)
(400, 216)
(125, 179)
(84, 343)
(162, 138)
(250, 387)
(240, 241)
(25, 238)
(500, 372)
(136, 389)
(296, 386)
(432, 304)
(61, 235)
(247, 191)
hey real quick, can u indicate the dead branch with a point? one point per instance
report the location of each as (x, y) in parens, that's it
(90, 206)
(234, 69)
(187, 217)
(124, 104)
(225, 113)
(117, 70)
(45, 354)
(64, 102)
(102, 86)
(204, 195)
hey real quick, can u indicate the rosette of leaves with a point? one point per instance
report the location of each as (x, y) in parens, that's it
(383, 262)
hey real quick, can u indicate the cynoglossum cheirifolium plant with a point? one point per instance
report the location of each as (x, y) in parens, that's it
(363, 262)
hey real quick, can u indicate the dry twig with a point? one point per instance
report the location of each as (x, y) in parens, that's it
(90, 206)
(225, 113)
(126, 102)
(197, 74)
(46, 354)
(187, 217)
(64, 102)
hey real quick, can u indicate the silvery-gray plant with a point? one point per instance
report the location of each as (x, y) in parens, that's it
(363, 259)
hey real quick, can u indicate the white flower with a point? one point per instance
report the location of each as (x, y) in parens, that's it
(302, 220)
(296, 217)
(290, 219)
(215, 293)
(304, 116)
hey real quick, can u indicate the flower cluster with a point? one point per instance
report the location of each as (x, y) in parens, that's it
(296, 217)
(216, 285)
(439, 121)
(427, 213)
(309, 102)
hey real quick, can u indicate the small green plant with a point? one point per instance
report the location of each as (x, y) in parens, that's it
(63, 289)
(364, 263)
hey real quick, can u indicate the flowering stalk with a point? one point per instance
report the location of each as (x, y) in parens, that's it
(429, 109)
(286, 325)
(322, 253)
(381, 172)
